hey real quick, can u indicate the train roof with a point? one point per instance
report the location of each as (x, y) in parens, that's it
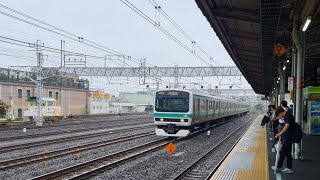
(202, 93)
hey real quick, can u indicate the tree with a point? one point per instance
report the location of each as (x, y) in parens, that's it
(3, 107)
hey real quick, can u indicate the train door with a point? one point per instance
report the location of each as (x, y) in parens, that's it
(214, 108)
(202, 110)
(197, 112)
(194, 108)
(219, 108)
(206, 108)
(211, 109)
(222, 108)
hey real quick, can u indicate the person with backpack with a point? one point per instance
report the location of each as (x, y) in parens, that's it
(286, 135)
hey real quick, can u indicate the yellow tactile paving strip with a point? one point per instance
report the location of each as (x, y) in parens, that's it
(253, 144)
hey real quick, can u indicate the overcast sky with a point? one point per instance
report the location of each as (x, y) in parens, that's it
(113, 24)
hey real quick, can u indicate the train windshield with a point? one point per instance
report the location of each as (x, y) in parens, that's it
(172, 101)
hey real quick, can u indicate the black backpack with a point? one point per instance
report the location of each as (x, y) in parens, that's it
(264, 120)
(296, 133)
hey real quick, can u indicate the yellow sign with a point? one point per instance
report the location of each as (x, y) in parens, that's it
(97, 94)
(279, 50)
(171, 148)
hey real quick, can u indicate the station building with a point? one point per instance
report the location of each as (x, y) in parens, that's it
(71, 94)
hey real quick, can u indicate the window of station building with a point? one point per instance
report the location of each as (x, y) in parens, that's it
(19, 93)
(28, 93)
(50, 93)
(19, 113)
(57, 95)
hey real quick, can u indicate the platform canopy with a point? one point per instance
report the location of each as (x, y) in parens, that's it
(250, 30)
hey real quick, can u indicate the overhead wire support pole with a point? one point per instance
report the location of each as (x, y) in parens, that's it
(62, 51)
(39, 83)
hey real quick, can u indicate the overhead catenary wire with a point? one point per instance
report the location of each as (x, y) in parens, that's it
(63, 33)
(151, 21)
(76, 37)
(185, 34)
(146, 17)
(46, 48)
(54, 27)
(54, 50)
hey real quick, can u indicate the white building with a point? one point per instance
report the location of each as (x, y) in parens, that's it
(132, 102)
(98, 102)
(118, 107)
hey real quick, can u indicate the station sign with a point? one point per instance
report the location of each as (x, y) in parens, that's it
(279, 50)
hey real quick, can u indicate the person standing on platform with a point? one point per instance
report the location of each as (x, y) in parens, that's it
(284, 105)
(286, 136)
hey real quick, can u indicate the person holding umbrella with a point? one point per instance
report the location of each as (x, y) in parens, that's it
(286, 136)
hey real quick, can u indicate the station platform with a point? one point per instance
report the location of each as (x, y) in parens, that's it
(253, 157)
(249, 158)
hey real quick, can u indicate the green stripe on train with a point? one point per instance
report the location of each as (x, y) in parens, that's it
(167, 115)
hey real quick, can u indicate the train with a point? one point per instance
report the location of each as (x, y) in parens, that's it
(49, 110)
(177, 113)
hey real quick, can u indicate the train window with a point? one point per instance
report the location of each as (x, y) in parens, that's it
(217, 105)
(210, 105)
(202, 105)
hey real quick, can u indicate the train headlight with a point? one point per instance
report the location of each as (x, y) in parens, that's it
(181, 120)
(161, 119)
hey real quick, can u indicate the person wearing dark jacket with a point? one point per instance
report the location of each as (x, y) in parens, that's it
(286, 136)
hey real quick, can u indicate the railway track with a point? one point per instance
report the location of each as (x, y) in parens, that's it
(61, 132)
(204, 167)
(93, 167)
(29, 125)
(5, 149)
(17, 162)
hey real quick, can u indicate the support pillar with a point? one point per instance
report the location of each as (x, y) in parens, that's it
(282, 81)
(299, 85)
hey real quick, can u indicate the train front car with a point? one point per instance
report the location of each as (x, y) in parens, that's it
(172, 113)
